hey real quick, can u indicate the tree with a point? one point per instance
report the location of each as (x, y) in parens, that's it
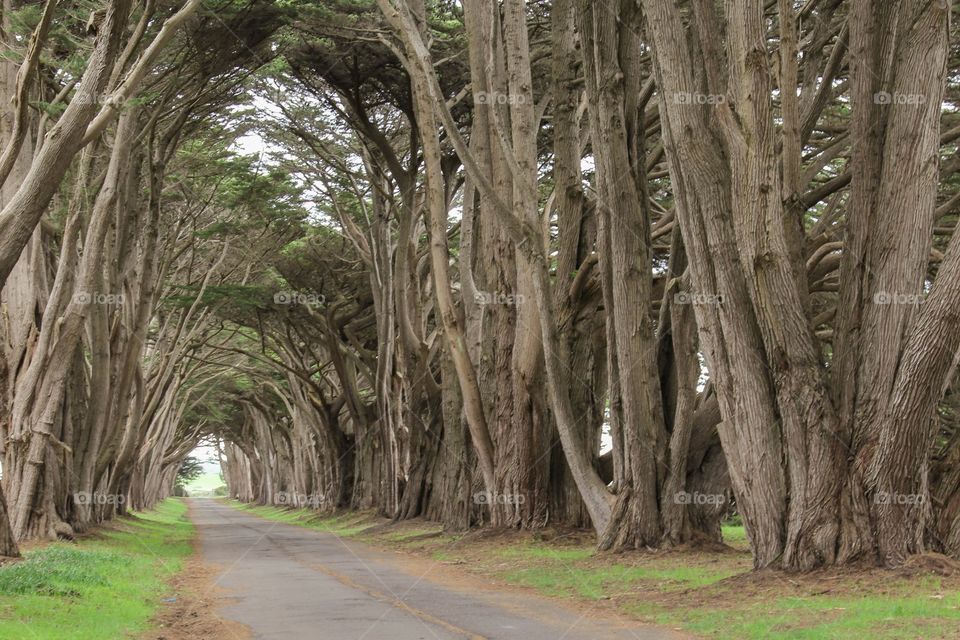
(481, 244)
(190, 469)
(809, 439)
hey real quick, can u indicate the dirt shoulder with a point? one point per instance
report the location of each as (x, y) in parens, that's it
(189, 612)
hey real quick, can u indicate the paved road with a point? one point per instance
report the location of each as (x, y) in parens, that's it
(291, 583)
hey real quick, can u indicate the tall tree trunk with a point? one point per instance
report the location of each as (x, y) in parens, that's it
(611, 62)
(440, 256)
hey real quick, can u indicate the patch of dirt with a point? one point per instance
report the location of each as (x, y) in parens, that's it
(378, 524)
(189, 613)
(34, 545)
(494, 538)
(702, 543)
(929, 563)
(98, 531)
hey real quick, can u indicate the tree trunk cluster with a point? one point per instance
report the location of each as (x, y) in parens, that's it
(639, 265)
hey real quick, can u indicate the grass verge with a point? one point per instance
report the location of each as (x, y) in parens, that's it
(711, 593)
(347, 524)
(106, 586)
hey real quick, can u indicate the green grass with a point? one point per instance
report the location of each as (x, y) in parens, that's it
(604, 582)
(345, 525)
(576, 571)
(98, 589)
(685, 589)
(905, 614)
(205, 484)
(408, 535)
(735, 536)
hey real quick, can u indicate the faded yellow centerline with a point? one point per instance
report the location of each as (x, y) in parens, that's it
(395, 602)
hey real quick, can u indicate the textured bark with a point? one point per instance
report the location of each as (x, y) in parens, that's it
(611, 62)
(893, 193)
(40, 393)
(440, 255)
(815, 508)
(577, 297)
(20, 215)
(791, 178)
(8, 542)
(24, 82)
(529, 238)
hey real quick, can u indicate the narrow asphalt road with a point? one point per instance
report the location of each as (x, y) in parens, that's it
(289, 582)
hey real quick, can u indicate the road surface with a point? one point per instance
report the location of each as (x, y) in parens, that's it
(291, 583)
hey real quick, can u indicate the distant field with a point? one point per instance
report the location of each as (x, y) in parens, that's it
(205, 484)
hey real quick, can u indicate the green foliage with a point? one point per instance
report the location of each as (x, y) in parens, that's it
(237, 295)
(251, 197)
(21, 23)
(190, 469)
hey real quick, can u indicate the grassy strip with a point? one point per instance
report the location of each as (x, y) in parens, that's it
(104, 587)
(346, 525)
(713, 594)
(717, 595)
